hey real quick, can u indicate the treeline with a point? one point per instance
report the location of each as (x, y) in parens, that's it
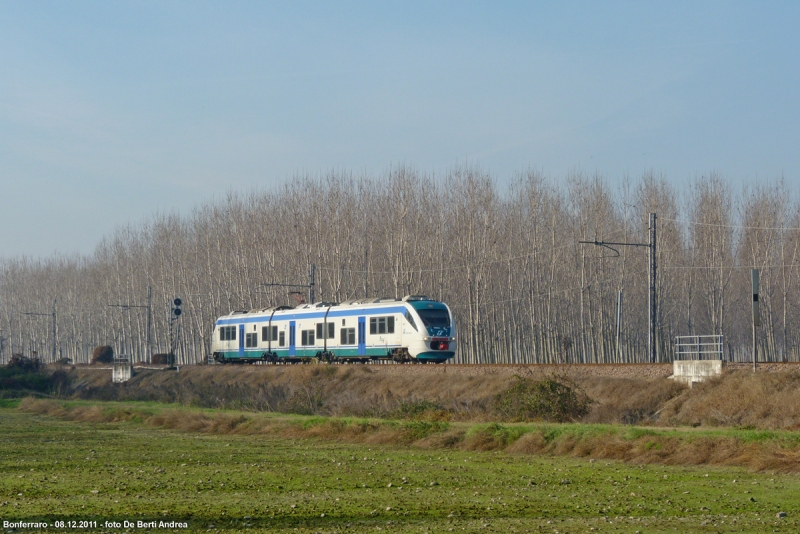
(507, 260)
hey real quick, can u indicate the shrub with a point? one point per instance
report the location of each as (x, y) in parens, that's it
(544, 400)
(163, 359)
(103, 354)
(22, 363)
(421, 410)
(24, 375)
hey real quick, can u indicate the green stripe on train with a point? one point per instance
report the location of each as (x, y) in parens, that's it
(341, 353)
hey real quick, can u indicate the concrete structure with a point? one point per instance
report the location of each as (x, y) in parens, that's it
(123, 370)
(691, 371)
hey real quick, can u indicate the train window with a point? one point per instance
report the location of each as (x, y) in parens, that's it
(435, 318)
(282, 339)
(347, 336)
(227, 333)
(265, 331)
(331, 331)
(411, 321)
(307, 337)
(251, 340)
(381, 325)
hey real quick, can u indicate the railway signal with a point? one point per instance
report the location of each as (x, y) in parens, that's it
(756, 318)
(175, 314)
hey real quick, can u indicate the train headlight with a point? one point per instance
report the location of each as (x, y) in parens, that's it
(426, 338)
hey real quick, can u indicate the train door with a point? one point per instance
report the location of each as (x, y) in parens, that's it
(241, 341)
(291, 338)
(362, 336)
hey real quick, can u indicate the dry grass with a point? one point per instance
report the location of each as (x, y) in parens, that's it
(740, 399)
(628, 400)
(778, 452)
(366, 391)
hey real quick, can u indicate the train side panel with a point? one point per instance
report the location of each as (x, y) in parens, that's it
(380, 330)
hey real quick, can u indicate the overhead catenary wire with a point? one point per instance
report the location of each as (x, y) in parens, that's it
(732, 267)
(550, 292)
(733, 226)
(460, 267)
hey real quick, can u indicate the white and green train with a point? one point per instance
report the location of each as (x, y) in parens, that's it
(412, 329)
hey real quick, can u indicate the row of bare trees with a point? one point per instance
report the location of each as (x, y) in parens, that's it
(507, 261)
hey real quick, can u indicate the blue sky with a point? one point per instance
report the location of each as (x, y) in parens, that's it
(113, 111)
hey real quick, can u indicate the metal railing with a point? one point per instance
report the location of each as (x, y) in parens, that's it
(707, 347)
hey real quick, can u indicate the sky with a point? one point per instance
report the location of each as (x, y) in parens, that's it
(113, 112)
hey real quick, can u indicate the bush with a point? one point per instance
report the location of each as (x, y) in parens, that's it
(545, 400)
(25, 364)
(421, 410)
(163, 359)
(24, 375)
(103, 354)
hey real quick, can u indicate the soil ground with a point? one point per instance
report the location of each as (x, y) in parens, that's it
(53, 469)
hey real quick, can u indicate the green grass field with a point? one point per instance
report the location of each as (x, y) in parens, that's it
(57, 470)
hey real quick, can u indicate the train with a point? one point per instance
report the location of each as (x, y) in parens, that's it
(414, 329)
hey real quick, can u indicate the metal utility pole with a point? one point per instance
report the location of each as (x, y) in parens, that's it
(619, 326)
(652, 295)
(149, 307)
(311, 282)
(652, 305)
(149, 320)
(55, 331)
(756, 318)
(55, 322)
(366, 271)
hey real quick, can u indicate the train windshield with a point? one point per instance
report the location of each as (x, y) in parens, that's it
(435, 318)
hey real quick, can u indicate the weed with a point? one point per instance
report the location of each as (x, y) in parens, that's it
(103, 354)
(22, 364)
(491, 437)
(544, 400)
(23, 375)
(421, 410)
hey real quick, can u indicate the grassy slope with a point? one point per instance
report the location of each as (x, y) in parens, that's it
(128, 471)
(739, 398)
(757, 449)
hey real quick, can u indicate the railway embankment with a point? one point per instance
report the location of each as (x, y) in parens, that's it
(626, 394)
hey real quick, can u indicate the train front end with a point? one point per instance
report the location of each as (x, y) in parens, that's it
(437, 340)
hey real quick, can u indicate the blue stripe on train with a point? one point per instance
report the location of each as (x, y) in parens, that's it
(316, 314)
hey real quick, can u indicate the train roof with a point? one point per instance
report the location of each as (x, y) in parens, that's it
(417, 301)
